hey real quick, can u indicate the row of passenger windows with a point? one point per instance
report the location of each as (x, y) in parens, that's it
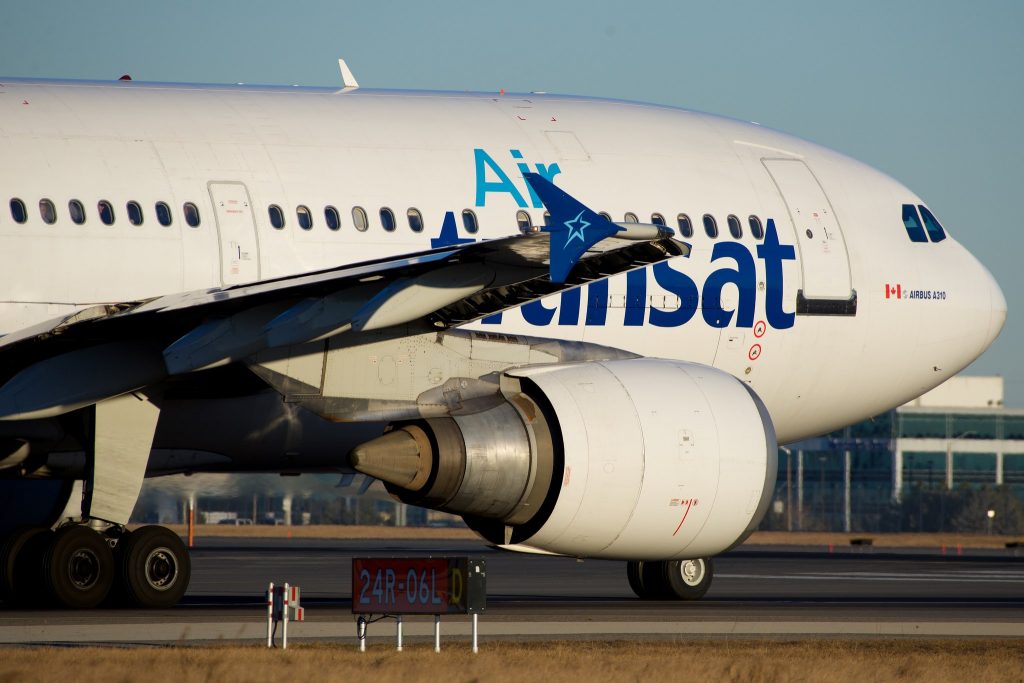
(683, 221)
(105, 211)
(913, 223)
(523, 220)
(360, 218)
(733, 223)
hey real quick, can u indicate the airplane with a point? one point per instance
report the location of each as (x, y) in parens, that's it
(582, 324)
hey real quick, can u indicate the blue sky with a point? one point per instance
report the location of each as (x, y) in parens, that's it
(930, 92)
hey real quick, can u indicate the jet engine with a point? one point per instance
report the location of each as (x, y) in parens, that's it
(637, 459)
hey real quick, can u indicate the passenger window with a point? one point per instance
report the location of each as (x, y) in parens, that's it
(106, 211)
(931, 224)
(415, 219)
(387, 219)
(524, 221)
(710, 226)
(756, 229)
(913, 224)
(332, 218)
(47, 211)
(630, 217)
(276, 216)
(134, 213)
(735, 229)
(18, 212)
(305, 217)
(469, 221)
(685, 226)
(657, 219)
(359, 218)
(163, 214)
(77, 211)
(191, 214)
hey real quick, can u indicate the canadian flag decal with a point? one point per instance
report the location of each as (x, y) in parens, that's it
(893, 292)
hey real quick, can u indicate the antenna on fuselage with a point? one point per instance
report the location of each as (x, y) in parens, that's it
(348, 81)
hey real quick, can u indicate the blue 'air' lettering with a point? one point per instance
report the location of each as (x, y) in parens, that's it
(492, 179)
(738, 268)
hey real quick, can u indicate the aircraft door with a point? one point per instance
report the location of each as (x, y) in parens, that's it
(236, 230)
(824, 260)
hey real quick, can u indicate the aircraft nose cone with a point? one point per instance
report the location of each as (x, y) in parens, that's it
(997, 317)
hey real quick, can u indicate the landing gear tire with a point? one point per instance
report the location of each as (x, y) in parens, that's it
(689, 579)
(78, 568)
(670, 580)
(634, 575)
(21, 559)
(644, 588)
(155, 567)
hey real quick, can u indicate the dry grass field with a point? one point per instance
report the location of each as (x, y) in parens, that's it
(809, 538)
(736, 660)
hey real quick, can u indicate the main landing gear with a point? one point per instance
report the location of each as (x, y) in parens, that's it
(79, 567)
(671, 579)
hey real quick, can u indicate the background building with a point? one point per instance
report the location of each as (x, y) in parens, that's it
(939, 463)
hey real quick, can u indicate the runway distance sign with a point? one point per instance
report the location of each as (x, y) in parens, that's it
(417, 585)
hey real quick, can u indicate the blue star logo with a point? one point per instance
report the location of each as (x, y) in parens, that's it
(576, 227)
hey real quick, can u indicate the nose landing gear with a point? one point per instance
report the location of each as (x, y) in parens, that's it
(670, 579)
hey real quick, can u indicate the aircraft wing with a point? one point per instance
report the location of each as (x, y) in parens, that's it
(107, 350)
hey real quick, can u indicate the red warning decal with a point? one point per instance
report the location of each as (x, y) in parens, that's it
(755, 352)
(760, 328)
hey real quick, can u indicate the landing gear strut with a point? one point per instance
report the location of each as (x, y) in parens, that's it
(671, 579)
(77, 567)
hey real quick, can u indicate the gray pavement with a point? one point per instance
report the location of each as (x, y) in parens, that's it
(757, 592)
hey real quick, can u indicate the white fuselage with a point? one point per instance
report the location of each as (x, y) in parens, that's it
(235, 152)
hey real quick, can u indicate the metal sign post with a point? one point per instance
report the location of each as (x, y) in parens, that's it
(283, 604)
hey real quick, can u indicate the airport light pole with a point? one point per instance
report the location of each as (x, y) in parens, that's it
(821, 489)
(789, 488)
(991, 514)
(800, 490)
(847, 480)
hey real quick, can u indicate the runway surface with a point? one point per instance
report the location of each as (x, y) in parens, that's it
(757, 591)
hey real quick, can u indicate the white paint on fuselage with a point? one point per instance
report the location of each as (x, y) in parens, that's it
(316, 148)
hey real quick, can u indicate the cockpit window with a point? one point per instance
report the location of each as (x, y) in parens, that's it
(932, 225)
(913, 224)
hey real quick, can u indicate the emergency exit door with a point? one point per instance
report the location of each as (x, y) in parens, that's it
(236, 231)
(824, 260)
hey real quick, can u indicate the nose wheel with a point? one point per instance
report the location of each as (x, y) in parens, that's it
(670, 579)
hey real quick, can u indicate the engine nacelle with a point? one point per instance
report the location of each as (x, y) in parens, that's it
(640, 459)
